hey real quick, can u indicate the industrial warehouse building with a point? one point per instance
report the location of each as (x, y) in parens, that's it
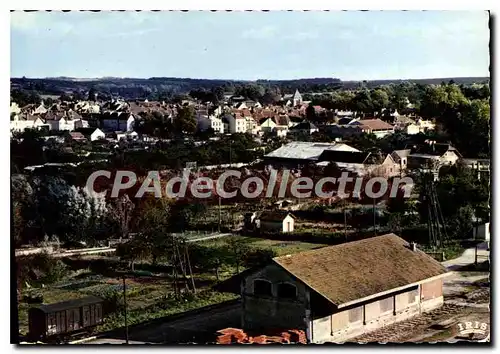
(339, 292)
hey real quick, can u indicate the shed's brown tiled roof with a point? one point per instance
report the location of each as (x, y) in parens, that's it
(358, 269)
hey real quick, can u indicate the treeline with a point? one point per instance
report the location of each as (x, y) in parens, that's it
(166, 88)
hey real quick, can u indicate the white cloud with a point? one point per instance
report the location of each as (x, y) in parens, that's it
(302, 36)
(41, 22)
(260, 33)
(24, 21)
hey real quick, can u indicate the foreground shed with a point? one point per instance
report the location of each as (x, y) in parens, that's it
(339, 292)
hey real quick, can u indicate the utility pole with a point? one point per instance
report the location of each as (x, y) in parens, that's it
(476, 241)
(220, 213)
(475, 254)
(125, 305)
(345, 222)
(374, 219)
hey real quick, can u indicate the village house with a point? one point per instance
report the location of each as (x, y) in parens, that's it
(251, 126)
(40, 109)
(65, 122)
(293, 100)
(374, 126)
(247, 104)
(14, 108)
(77, 136)
(339, 292)
(277, 125)
(401, 158)
(118, 121)
(234, 123)
(22, 121)
(55, 138)
(87, 107)
(306, 128)
(216, 124)
(276, 221)
(267, 124)
(361, 163)
(344, 130)
(92, 134)
(119, 135)
(420, 126)
(279, 132)
(432, 155)
(205, 122)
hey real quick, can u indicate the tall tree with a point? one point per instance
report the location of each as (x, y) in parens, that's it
(380, 99)
(311, 113)
(121, 210)
(272, 95)
(185, 121)
(217, 95)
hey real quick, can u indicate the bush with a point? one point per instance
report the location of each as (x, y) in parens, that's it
(258, 257)
(58, 271)
(207, 258)
(33, 298)
(113, 299)
(40, 269)
(102, 266)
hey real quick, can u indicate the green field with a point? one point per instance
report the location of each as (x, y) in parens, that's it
(280, 247)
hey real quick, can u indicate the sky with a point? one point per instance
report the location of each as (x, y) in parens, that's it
(350, 45)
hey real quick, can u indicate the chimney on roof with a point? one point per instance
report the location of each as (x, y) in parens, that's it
(413, 246)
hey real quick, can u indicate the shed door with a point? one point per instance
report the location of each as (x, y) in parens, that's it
(86, 316)
(61, 321)
(51, 324)
(70, 316)
(76, 319)
(98, 312)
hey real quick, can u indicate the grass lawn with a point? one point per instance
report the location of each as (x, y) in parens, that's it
(280, 247)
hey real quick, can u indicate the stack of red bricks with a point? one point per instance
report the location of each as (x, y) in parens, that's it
(231, 335)
(298, 336)
(235, 335)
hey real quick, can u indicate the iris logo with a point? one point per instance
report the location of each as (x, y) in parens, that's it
(471, 328)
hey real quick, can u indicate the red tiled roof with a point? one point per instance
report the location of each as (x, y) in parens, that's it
(376, 124)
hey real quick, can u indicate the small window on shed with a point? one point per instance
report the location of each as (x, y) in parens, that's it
(262, 287)
(287, 291)
(356, 314)
(412, 296)
(386, 305)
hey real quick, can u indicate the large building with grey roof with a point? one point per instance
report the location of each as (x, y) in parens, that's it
(300, 153)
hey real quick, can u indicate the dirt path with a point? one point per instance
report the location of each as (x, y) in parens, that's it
(468, 257)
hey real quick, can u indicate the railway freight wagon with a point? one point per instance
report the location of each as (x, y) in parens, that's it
(63, 319)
